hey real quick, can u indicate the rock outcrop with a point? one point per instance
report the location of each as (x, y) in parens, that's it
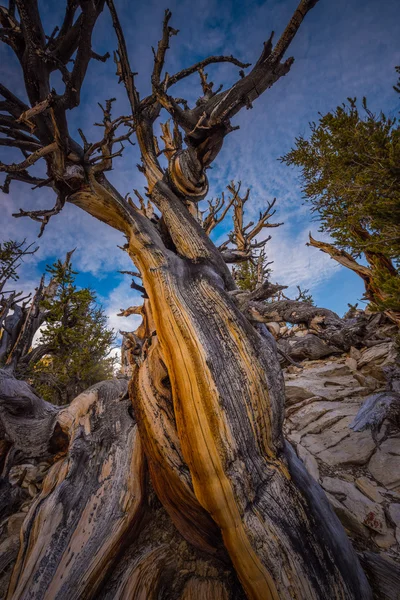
(358, 469)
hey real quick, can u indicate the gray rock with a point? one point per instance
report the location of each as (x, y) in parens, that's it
(317, 443)
(373, 360)
(351, 363)
(369, 488)
(377, 354)
(309, 384)
(385, 541)
(338, 445)
(384, 465)
(355, 449)
(394, 512)
(368, 513)
(296, 393)
(355, 353)
(348, 520)
(332, 414)
(370, 383)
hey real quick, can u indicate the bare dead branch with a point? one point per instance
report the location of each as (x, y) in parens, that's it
(102, 58)
(32, 159)
(15, 106)
(36, 110)
(131, 273)
(122, 61)
(43, 216)
(10, 32)
(90, 13)
(23, 176)
(214, 207)
(132, 310)
(31, 25)
(201, 65)
(163, 45)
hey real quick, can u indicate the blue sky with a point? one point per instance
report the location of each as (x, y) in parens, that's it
(343, 48)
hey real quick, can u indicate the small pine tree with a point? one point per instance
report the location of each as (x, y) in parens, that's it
(304, 296)
(251, 273)
(77, 339)
(245, 275)
(11, 255)
(351, 179)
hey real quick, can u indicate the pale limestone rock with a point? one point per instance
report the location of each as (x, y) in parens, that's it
(307, 414)
(369, 488)
(351, 363)
(296, 393)
(355, 449)
(317, 443)
(339, 445)
(385, 541)
(329, 418)
(368, 513)
(348, 520)
(376, 354)
(355, 353)
(374, 359)
(384, 465)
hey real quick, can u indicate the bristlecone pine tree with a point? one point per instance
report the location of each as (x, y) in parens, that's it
(75, 342)
(351, 179)
(193, 494)
(20, 315)
(73, 346)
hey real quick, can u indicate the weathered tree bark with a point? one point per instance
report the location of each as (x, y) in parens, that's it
(207, 389)
(96, 508)
(379, 264)
(19, 328)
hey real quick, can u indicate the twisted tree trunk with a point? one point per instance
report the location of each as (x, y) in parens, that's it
(236, 513)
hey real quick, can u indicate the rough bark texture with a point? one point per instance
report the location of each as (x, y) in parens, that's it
(107, 536)
(207, 389)
(378, 264)
(18, 329)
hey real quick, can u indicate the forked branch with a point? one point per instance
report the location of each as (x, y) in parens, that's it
(243, 236)
(43, 216)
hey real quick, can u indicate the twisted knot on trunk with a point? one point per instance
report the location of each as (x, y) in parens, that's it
(187, 176)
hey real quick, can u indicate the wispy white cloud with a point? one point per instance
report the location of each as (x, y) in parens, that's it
(123, 297)
(343, 49)
(297, 264)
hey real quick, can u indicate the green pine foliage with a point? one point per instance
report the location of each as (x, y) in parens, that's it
(304, 296)
(351, 178)
(350, 167)
(78, 339)
(251, 273)
(12, 254)
(245, 275)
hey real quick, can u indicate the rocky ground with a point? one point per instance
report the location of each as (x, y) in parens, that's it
(359, 470)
